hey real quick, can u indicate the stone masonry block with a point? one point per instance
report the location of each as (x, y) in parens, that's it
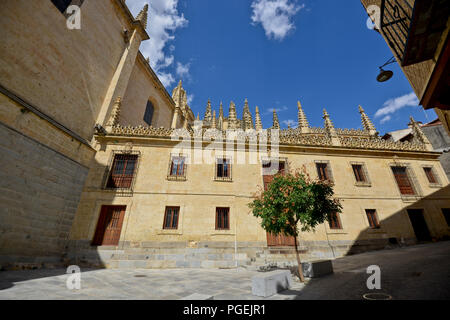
(269, 283)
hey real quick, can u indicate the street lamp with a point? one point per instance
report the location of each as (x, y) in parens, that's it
(385, 75)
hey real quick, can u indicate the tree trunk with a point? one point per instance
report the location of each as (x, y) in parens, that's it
(300, 271)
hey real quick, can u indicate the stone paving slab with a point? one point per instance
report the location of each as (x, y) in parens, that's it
(419, 272)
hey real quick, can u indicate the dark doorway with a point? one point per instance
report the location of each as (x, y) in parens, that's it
(109, 226)
(419, 225)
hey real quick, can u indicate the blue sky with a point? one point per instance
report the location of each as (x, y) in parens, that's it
(275, 52)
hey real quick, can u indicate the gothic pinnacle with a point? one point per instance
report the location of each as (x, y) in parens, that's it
(367, 123)
(207, 116)
(276, 122)
(232, 120)
(213, 121)
(302, 121)
(258, 124)
(143, 16)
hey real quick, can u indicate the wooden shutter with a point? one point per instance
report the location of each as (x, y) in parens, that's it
(222, 218)
(372, 218)
(322, 171)
(403, 182)
(430, 175)
(171, 218)
(359, 174)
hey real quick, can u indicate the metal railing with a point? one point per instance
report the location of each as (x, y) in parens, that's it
(396, 18)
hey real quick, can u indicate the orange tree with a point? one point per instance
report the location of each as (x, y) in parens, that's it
(291, 201)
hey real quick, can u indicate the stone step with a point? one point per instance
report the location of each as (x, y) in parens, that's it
(167, 264)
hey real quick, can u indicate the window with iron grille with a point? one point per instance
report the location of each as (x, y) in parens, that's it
(373, 218)
(122, 171)
(171, 218)
(334, 221)
(324, 171)
(359, 173)
(148, 115)
(62, 5)
(403, 180)
(177, 168)
(223, 169)
(446, 213)
(429, 172)
(222, 218)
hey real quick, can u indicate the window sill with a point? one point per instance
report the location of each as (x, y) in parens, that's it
(169, 232)
(176, 178)
(336, 231)
(363, 184)
(223, 179)
(435, 185)
(223, 233)
(410, 198)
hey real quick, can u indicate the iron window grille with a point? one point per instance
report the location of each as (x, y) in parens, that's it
(396, 16)
(177, 168)
(171, 216)
(223, 169)
(222, 218)
(334, 221)
(372, 217)
(120, 174)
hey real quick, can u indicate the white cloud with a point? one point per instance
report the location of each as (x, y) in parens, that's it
(395, 104)
(183, 70)
(190, 98)
(275, 16)
(164, 20)
(290, 123)
(385, 119)
(278, 110)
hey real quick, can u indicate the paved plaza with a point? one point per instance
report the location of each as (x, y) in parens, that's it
(416, 272)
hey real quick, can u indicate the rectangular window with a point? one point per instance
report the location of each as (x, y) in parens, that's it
(223, 169)
(403, 181)
(171, 218)
(430, 174)
(334, 221)
(446, 213)
(373, 219)
(323, 171)
(122, 171)
(222, 218)
(359, 173)
(177, 167)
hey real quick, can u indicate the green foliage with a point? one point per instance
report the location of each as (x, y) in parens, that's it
(294, 199)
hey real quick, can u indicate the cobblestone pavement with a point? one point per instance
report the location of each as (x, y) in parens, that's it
(418, 272)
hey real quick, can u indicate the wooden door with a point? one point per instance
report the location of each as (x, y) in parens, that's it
(279, 240)
(403, 182)
(419, 224)
(109, 226)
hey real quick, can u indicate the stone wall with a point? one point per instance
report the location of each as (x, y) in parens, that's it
(40, 191)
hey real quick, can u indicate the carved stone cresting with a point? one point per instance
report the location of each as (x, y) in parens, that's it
(329, 136)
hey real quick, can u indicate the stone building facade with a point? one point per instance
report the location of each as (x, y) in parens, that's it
(102, 166)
